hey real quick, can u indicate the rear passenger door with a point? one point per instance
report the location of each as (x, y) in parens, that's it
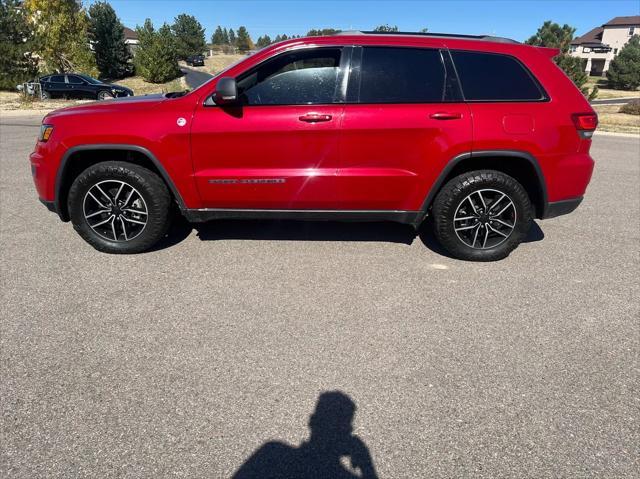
(404, 120)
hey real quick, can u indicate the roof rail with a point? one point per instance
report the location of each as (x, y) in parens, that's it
(486, 38)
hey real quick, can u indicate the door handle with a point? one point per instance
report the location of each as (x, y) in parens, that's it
(314, 117)
(445, 115)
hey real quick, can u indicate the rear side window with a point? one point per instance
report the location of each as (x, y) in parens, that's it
(494, 77)
(299, 78)
(401, 75)
(57, 79)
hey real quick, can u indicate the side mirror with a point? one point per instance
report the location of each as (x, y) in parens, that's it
(226, 91)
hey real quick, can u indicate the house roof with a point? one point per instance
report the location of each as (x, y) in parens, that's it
(130, 34)
(592, 36)
(595, 36)
(623, 21)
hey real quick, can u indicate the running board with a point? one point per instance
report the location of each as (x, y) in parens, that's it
(209, 214)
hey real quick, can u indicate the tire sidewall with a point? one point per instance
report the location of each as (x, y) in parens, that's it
(153, 192)
(457, 190)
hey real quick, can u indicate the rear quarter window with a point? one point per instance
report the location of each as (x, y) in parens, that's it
(495, 77)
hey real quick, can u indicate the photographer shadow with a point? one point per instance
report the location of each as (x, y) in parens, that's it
(331, 451)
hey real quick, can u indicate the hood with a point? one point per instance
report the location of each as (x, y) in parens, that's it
(129, 103)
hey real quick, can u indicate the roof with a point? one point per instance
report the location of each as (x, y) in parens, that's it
(130, 34)
(592, 36)
(623, 21)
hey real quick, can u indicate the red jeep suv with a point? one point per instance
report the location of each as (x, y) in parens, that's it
(479, 134)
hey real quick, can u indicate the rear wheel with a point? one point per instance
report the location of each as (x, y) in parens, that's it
(482, 215)
(119, 207)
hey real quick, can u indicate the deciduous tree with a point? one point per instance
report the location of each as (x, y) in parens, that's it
(61, 35)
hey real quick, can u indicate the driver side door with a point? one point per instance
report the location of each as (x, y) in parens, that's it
(277, 147)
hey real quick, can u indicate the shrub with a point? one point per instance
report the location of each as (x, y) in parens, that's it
(631, 108)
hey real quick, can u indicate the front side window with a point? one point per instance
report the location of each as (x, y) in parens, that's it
(299, 78)
(494, 77)
(401, 75)
(74, 80)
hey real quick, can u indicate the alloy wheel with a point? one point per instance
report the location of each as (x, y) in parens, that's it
(485, 219)
(115, 210)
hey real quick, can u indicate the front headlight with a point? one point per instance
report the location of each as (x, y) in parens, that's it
(45, 132)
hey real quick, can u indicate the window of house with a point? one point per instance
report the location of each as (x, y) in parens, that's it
(299, 78)
(494, 77)
(402, 75)
(586, 50)
(615, 51)
(632, 30)
(573, 48)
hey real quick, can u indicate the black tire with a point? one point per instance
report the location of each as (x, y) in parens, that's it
(46, 95)
(148, 186)
(449, 203)
(104, 95)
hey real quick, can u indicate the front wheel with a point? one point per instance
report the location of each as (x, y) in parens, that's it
(119, 207)
(482, 215)
(105, 95)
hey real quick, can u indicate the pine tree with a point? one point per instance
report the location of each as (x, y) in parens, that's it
(552, 35)
(61, 35)
(218, 37)
(232, 38)
(16, 43)
(322, 32)
(243, 41)
(107, 36)
(278, 38)
(263, 41)
(156, 57)
(189, 36)
(225, 33)
(624, 71)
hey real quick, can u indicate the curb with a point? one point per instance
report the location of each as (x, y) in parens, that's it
(613, 133)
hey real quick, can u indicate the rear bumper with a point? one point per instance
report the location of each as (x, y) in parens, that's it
(559, 208)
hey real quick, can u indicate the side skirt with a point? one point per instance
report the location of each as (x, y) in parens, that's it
(209, 214)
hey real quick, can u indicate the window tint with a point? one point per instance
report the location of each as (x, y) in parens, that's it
(300, 78)
(57, 79)
(487, 76)
(401, 75)
(74, 80)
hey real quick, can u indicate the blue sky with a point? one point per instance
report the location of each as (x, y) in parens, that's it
(509, 18)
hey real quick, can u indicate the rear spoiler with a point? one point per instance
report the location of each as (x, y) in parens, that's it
(549, 52)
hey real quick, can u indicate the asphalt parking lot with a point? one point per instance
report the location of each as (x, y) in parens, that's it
(184, 361)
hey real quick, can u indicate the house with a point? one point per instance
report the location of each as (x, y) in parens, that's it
(131, 39)
(600, 45)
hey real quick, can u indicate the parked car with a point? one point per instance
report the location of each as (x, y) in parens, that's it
(76, 85)
(480, 134)
(196, 60)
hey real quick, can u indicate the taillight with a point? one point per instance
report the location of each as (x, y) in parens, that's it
(585, 123)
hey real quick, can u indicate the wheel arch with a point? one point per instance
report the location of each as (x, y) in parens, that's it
(79, 158)
(521, 165)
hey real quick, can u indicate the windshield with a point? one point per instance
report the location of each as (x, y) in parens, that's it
(93, 81)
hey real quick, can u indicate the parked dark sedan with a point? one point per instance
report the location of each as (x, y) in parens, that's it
(195, 60)
(77, 85)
